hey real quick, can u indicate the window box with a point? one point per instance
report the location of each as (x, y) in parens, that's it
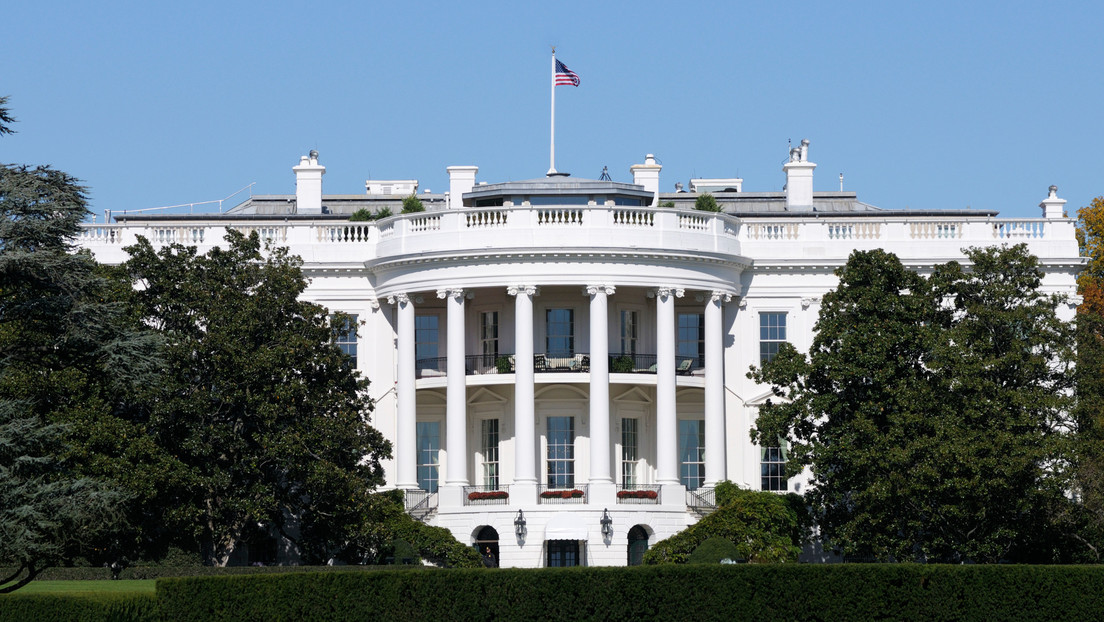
(637, 494)
(490, 495)
(562, 494)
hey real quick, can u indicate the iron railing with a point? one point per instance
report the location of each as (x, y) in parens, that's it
(420, 503)
(487, 495)
(561, 495)
(702, 500)
(638, 494)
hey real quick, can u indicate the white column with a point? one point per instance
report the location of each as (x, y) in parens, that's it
(456, 402)
(666, 417)
(525, 443)
(599, 384)
(714, 388)
(406, 448)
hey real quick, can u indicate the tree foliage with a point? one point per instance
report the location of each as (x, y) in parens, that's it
(411, 204)
(763, 527)
(707, 203)
(261, 415)
(67, 355)
(933, 411)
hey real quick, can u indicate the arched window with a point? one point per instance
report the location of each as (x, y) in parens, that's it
(638, 545)
(487, 538)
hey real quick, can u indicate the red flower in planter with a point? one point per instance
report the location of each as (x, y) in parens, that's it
(637, 494)
(488, 496)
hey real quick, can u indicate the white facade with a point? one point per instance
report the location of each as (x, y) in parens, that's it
(539, 337)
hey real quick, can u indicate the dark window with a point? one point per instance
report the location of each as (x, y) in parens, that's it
(563, 553)
(691, 338)
(561, 452)
(560, 333)
(772, 333)
(345, 337)
(691, 453)
(773, 465)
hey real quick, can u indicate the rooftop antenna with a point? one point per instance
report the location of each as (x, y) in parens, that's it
(605, 174)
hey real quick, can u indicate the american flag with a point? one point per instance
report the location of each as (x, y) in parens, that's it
(565, 76)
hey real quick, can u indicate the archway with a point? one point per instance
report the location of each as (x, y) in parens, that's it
(487, 537)
(638, 545)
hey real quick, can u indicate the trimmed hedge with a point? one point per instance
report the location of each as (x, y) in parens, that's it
(115, 606)
(157, 572)
(769, 592)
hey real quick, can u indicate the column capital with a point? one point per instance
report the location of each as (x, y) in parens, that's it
(665, 291)
(716, 295)
(450, 292)
(591, 290)
(528, 290)
(374, 304)
(810, 301)
(400, 298)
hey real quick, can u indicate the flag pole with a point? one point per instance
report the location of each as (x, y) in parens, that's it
(552, 152)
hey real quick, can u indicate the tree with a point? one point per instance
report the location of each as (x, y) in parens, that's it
(1089, 413)
(265, 415)
(707, 203)
(411, 204)
(933, 411)
(67, 354)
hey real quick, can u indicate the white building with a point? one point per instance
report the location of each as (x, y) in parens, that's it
(561, 363)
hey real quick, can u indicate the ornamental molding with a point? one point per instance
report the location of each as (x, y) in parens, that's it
(451, 292)
(593, 290)
(810, 301)
(717, 295)
(401, 298)
(668, 291)
(528, 290)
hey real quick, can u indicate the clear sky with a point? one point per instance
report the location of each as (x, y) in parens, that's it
(927, 105)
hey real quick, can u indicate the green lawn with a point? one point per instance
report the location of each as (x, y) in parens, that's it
(78, 588)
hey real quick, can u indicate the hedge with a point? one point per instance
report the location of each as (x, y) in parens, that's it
(157, 572)
(700, 592)
(114, 606)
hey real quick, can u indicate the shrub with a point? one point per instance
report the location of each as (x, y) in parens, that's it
(502, 364)
(622, 365)
(667, 204)
(128, 606)
(384, 212)
(706, 203)
(361, 215)
(412, 204)
(712, 550)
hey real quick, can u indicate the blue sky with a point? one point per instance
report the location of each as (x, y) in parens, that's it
(925, 105)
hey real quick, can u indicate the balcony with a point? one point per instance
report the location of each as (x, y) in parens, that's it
(559, 495)
(487, 495)
(481, 364)
(638, 494)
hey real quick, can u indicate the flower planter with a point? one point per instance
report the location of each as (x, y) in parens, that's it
(637, 494)
(490, 495)
(561, 494)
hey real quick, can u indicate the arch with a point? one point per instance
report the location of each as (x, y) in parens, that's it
(431, 398)
(562, 392)
(486, 537)
(690, 395)
(638, 544)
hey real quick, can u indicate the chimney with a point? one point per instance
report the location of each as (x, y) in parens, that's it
(799, 178)
(308, 184)
(647, 175)
(461, 180)
(1053, 207)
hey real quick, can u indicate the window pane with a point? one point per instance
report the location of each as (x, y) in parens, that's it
(629, 450)
(561, 452)
(773, 469)
(428, 435)
(490, 453)
(772, 333)
(692, 453)
(560, 329)
(426, 337)
(345, 337)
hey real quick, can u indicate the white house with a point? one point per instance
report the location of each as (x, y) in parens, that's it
(561, 363)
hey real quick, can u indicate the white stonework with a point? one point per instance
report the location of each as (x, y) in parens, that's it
(481, 319)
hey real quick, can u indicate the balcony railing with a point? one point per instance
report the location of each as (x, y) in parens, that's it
(702, 499)
(554, 495)
(480, 364)
(487, 495)
(638, 494)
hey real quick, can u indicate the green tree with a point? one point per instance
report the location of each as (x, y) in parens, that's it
(361, 215)
(707, 203)
(264, 414)
(412, 204)
(67, 354)
(932, 411)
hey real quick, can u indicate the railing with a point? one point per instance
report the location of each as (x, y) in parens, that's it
(702, 500)
(1019, 229)
(578, 362)
(487, 495)
(556, 495)
(343, 233)
(634, 218)
(101, 234)
(638, 494)
(619, 363)
(419, 503)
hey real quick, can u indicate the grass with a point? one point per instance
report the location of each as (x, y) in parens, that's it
(84, 588)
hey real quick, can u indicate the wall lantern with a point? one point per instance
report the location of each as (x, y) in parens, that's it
(519, 525)
(607, 524)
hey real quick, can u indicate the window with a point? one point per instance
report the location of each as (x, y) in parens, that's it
(429, 449)
(629, 452)
(560, 333)
(345, 337)
(691, 338)
(488, 336)
(561, 452)
(772, 333)
(692, 453)
(426, 337)
(490, 453)
(773, 466)
(563, 553)
(629, 328)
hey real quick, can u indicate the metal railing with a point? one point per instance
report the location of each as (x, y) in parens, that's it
(420, 503)
(638, 494)
(555, 495)
(487, 495)
(702, 500)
